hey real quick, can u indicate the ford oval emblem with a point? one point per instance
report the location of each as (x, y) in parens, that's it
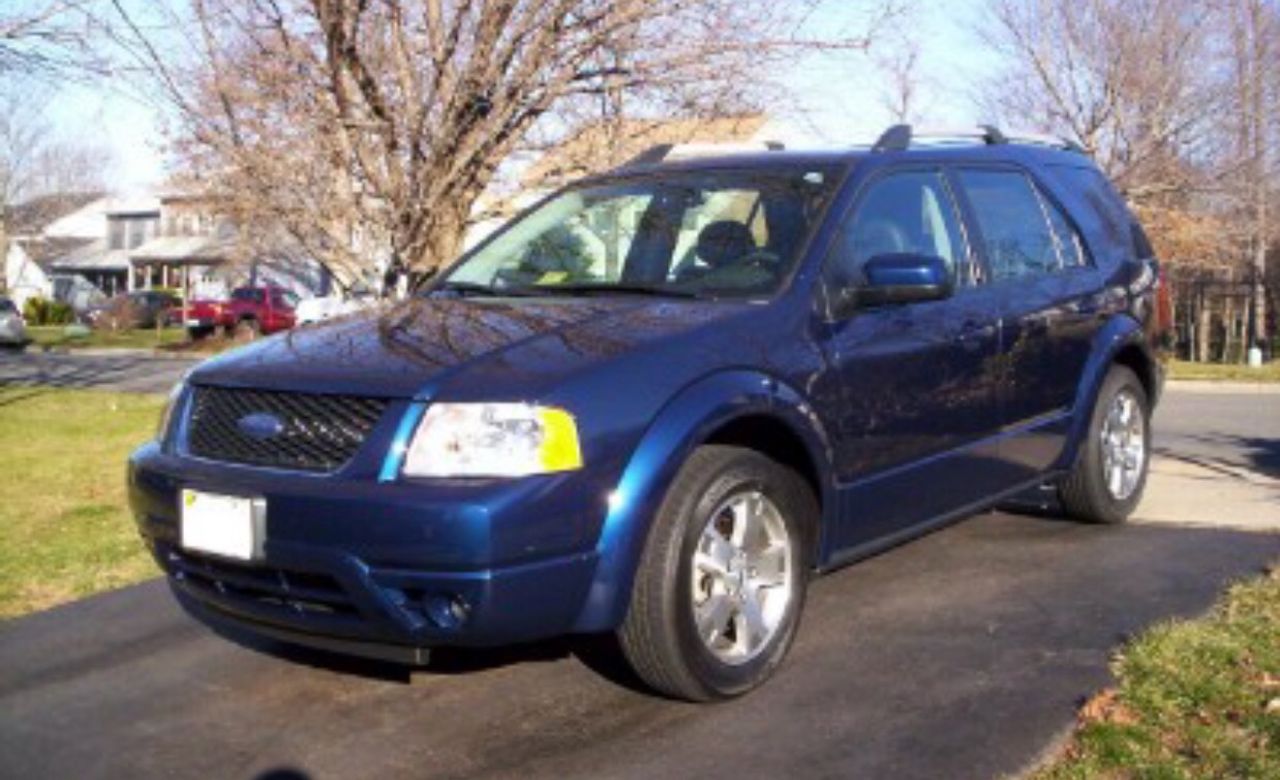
(260, 425)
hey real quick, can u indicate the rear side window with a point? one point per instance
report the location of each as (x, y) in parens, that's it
(1015, 234)
(247, 294)
(6, 306)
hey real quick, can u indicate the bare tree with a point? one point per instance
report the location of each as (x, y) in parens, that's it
(35, 160)
(360, 124)
(1253, 29)
(1126, 79)
(51, 39)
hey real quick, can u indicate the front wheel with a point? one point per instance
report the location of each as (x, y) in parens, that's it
(1111, 470)
(721, 584)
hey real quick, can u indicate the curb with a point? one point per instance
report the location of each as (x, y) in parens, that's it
(1222, 386)
(120, 352)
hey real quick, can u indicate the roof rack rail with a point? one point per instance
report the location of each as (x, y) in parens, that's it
(661, 152)
(899, 138)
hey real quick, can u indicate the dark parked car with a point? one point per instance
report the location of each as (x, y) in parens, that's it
(660, 400)
(137, 309)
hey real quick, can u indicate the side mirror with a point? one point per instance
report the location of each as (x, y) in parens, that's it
(903, 278)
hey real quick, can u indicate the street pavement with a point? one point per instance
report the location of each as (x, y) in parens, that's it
(962, 654)
(124, 370)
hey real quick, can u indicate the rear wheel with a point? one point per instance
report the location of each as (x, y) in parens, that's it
(1111, 470)
(722, 579)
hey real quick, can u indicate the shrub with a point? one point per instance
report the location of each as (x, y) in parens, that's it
(42, 311)
(59, 313)
(35, 310)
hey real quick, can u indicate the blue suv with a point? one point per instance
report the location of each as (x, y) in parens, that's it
(659, 400)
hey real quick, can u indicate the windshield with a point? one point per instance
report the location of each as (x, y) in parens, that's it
(704, 233)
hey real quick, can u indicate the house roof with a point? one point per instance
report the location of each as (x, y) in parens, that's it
(45, 252)
(185, 249)
(600, 146)
(92, 256)
(31, 217)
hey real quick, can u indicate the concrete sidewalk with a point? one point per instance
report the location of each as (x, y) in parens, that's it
(1188, 492)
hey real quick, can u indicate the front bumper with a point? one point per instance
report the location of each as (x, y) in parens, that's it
(379, 569)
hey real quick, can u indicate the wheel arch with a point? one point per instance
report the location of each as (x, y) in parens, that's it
(1120, 342)
(732, 407)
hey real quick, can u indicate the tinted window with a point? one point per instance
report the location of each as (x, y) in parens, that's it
(6, 306)
(247, 294)
(910, 212)
(1070, 246)
(1015, 235)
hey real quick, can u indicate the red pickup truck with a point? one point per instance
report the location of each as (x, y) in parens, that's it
(263, 309)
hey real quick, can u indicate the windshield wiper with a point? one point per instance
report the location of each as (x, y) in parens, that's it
(589, 288)
(464, 289)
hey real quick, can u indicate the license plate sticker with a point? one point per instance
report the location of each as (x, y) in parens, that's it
(228, 526)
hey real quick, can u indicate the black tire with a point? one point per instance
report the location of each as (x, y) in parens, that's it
(1084, 493)
(659, 637)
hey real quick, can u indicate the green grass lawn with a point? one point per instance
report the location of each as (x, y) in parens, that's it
(137, 338)
(1196, 698)
(1182, 369)
(65, 529)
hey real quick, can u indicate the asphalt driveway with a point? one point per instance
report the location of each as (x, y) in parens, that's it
(963, 654)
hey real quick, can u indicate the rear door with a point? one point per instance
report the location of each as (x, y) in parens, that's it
(1050, 308)
(919, 392)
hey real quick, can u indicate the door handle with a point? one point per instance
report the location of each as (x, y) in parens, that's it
(973, 333)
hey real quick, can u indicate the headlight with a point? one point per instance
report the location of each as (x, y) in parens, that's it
(166, 416)
(493, 440)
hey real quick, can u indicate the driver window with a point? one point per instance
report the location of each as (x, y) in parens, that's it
(909, 212)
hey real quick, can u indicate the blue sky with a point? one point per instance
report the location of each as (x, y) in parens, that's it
(835, 97)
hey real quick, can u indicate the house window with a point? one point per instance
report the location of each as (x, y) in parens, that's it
(116, 233)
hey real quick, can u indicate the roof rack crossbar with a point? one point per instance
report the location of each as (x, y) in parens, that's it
(898, 138)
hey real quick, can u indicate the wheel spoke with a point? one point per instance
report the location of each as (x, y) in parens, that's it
(713, 553)
(746, 517)
(751, 626)
(713, 615)
(770, 566)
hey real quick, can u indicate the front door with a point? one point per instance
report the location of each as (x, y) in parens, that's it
(919, 386)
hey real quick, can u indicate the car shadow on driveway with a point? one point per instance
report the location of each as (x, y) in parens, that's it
(600, 653)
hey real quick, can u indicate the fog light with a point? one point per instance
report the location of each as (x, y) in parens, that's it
(445, 611)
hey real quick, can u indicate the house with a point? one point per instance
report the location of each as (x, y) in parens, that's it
(103, 262)
(201, 252)
(41, 231)
(598, 147)
(81, 248)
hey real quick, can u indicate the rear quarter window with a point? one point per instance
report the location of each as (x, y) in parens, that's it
(1094, 192)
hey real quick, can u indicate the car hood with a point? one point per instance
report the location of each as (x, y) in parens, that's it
(412, 348)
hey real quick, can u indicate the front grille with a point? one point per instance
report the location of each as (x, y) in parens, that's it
(315, 432)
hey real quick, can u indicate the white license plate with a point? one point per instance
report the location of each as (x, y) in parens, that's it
(229, 526)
